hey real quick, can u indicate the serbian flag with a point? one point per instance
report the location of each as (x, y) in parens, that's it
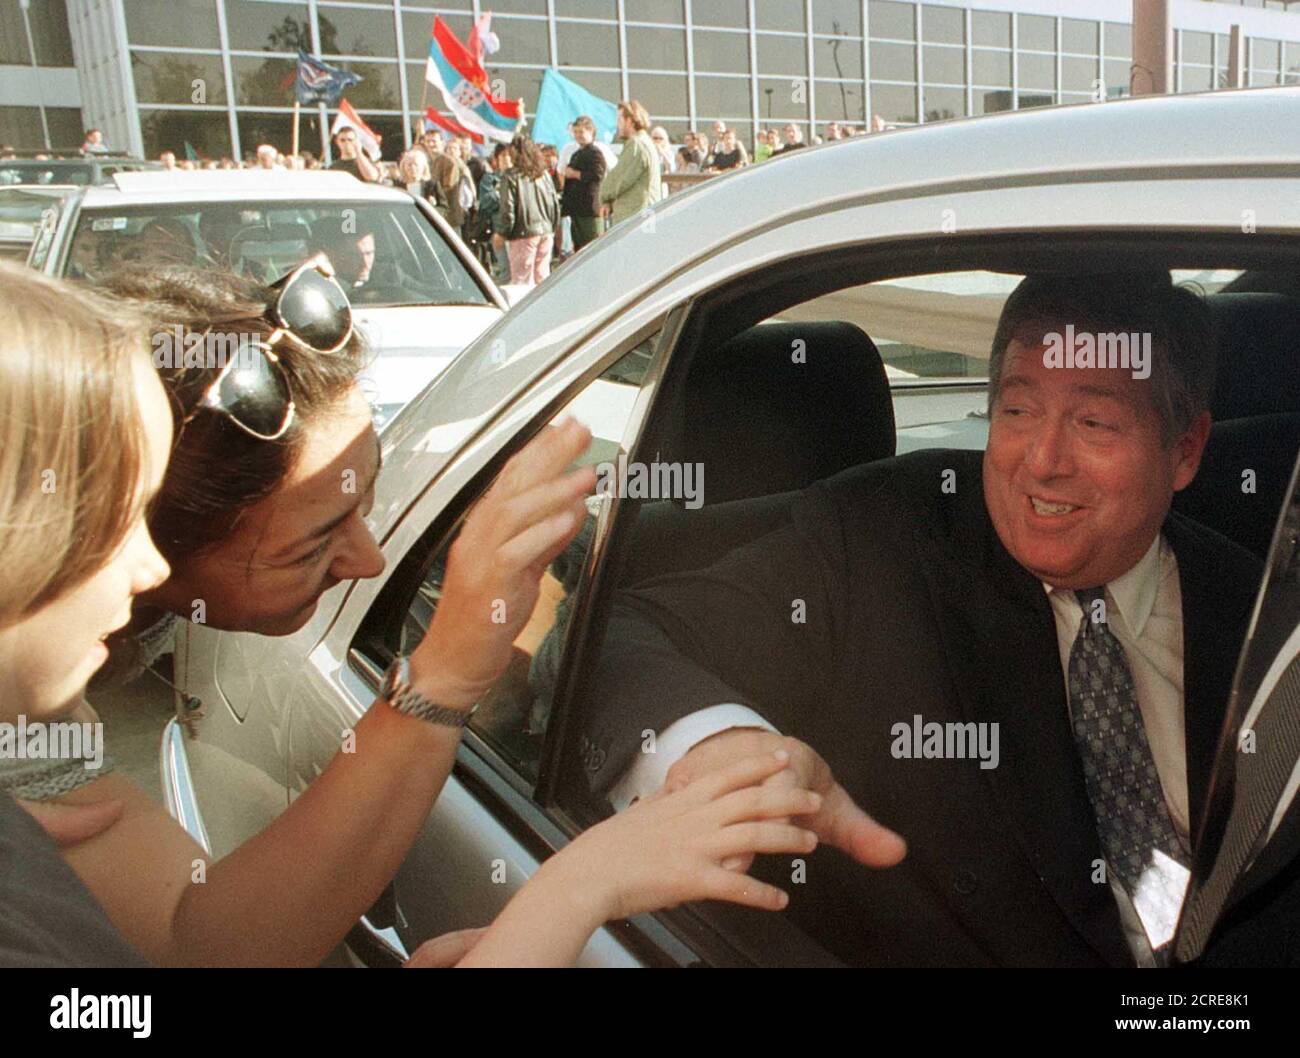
(464, 86)
(450, 125)
(368, 138)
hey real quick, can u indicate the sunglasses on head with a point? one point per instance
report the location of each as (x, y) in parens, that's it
(309, 309)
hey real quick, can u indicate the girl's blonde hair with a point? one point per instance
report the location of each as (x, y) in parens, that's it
(72, 445)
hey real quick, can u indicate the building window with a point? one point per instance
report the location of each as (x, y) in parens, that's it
(665, 49)
(715, 52)
(1079, 36)
(837, 57)
(893, 62)
(991, 67)
(49, 22)
(991, 28)
(179, 78)
(838, 17)
(839, 101)
(1038, 71)
(588, 43)
(778, 14)
(1119, 40)
(183, 23)
(21, 127)
(352, 31)
(261, 27)
(672, 11)
(894, 102)
(1036, 32)
(943, 25)
(943, 65)
(1078, 75)
(728, 97)
(888, 20)
(207, 132)
(660, 94)
(941, 103)
(729, 14)
(783, 55)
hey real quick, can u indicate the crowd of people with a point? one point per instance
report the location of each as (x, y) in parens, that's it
(525, 206)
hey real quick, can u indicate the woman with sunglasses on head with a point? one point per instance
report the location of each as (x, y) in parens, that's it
(254, 523)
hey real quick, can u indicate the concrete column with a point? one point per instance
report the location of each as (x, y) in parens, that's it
(1153, 52)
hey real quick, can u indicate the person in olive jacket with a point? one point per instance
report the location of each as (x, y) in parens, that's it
(528, 214)
(634, 183)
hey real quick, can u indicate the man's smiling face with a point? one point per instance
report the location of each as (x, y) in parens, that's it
(1077, 478)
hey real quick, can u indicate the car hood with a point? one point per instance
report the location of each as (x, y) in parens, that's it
(411, 345)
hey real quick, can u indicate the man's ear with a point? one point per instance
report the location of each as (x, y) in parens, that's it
(1188, 449)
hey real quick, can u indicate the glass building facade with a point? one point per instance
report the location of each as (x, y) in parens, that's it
(217, 74)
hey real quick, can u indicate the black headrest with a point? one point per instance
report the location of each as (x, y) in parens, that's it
(1259, 354)
(782, 405)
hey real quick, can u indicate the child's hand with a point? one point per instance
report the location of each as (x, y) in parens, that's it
(668, 849)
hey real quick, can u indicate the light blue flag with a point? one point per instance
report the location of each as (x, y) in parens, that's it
(562, 100)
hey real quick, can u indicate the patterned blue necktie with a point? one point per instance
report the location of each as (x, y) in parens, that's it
(1120, 774)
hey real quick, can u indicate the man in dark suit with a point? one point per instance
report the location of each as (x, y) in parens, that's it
(1067, 641)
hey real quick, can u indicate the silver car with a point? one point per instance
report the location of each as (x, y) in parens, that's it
(418, 293)
(773, 326)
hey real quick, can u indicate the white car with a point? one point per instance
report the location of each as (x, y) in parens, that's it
(419, 296)
(745, 326)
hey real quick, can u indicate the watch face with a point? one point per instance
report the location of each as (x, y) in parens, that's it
(391, 678)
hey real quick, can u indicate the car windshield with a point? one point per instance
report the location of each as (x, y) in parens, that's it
(385, 253)
(43, 172)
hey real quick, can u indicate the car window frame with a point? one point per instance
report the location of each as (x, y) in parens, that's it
(593, 593)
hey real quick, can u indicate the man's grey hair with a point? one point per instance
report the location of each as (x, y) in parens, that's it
(1183, 352)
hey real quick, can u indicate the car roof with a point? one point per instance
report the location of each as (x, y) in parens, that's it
(163, 187)
(1129, 139)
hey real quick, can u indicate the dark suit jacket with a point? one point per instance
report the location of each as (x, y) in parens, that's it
(913, 606)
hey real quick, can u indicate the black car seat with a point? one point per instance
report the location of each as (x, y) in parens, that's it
(1256, 410)
(767, 413)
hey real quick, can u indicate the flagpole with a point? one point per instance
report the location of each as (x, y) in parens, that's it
(297, 110)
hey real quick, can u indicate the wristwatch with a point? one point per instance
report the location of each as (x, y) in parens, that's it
(397, 691)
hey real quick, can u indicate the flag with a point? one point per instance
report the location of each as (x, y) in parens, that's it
(451, 125)
(191, 155)
(464, 85)
(369, 139)
(318, 83)
(562, 100)
(482, 41)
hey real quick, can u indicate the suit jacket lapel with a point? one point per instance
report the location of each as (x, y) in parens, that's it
(1000, 635)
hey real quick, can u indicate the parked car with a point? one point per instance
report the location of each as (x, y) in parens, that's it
(23, 210)
(741, 327)
(83, 172)
(418, 294)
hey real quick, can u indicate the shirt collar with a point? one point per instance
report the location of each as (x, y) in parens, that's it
(1134, 593)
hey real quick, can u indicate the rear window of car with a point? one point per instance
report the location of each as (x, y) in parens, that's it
(53, 172)
(386, 254)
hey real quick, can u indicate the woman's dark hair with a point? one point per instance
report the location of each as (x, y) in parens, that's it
(528, 157)
(217, 471)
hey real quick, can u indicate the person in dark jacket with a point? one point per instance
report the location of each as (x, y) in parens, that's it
(528, 214)
(582, 178)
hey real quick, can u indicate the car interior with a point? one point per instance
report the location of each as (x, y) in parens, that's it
(766, 426)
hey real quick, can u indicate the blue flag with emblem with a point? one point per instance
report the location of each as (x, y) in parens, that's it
(561, 100)
(317, 82)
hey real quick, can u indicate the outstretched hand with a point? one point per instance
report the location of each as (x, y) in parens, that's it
(837, 822)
